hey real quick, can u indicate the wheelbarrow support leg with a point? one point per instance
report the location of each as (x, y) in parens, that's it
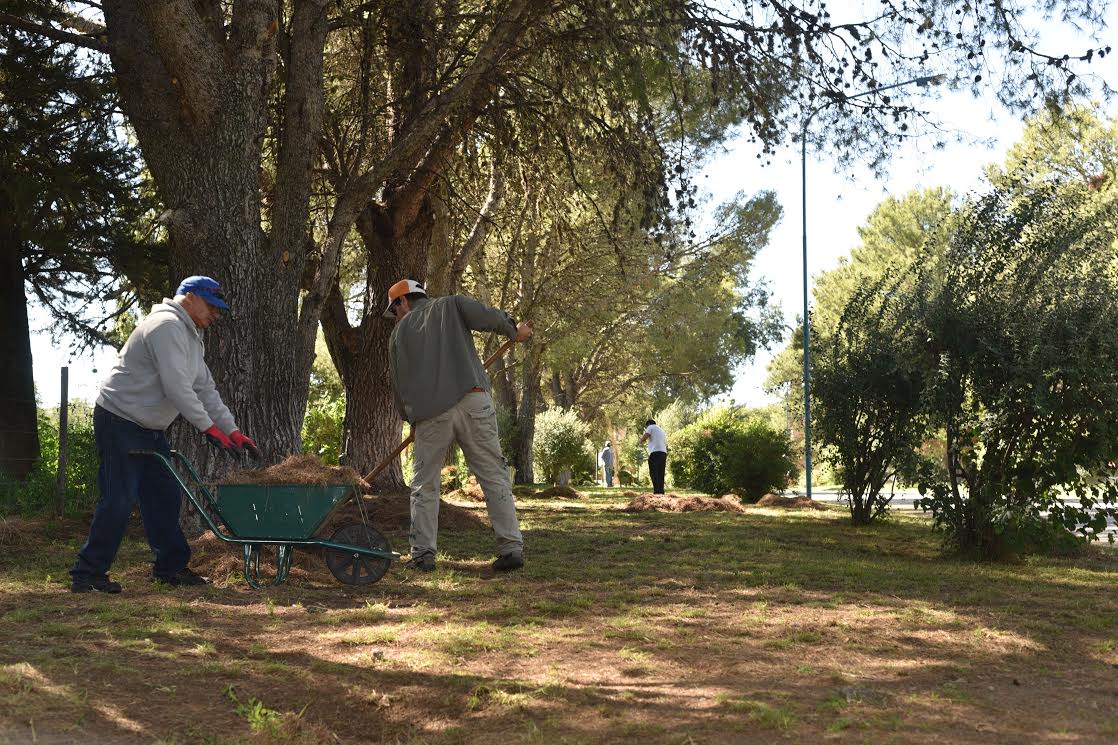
(284, 553)
(283, 563)
(252, 565)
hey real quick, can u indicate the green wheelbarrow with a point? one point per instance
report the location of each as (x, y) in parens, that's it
(285, 516)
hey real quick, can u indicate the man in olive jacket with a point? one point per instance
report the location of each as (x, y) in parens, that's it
(442, 389)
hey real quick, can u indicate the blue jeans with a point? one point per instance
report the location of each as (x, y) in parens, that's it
(123, 480)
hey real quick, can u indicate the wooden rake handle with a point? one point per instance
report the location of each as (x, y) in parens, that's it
(411, 435)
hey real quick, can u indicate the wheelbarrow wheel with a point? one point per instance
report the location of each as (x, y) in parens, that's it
(352, 568)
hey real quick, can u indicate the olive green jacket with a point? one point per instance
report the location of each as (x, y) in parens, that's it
(431, 354)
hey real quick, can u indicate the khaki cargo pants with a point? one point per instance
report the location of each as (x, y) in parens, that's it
(472, 422)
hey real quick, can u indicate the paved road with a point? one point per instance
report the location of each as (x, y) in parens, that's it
(904, 499)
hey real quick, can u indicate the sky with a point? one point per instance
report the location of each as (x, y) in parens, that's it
(838, 203)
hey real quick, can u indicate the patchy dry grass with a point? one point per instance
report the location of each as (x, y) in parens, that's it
(766, 626)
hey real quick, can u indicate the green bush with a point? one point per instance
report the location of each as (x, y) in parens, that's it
(1016, 323)
(322, 429)
(586, 470)
(38, 494)
(725, 451)
(1021, 533)
(867, 403)
(324, 423)
(559, 442)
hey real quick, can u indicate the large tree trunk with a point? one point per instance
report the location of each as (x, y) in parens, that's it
(254, 352)
(523, 460)
(396, 243)
(197, 94)
(504, 394)
(19, 434)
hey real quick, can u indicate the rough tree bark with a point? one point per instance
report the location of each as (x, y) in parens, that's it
(198, 96)
(19, 434)
(523, 460)
(395, 249)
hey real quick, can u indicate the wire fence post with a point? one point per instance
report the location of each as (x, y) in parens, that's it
(63, 442)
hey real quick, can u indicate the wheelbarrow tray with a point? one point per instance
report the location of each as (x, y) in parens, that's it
(277, 512)
(284, 516)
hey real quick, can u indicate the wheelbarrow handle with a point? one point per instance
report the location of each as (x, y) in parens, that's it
(411, 435)
(201, 503)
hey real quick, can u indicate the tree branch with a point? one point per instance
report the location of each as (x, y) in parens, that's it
(255, 23)
(301, 131)
(481, 226)
(194, 59)
(414, 144)
(81, 40)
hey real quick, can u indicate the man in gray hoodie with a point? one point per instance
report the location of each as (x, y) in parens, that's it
(159, 374)
(442, 389)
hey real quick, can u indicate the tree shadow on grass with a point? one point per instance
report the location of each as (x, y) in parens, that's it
(645, 628)
(747, 691)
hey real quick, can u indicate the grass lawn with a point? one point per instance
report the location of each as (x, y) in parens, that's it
(706, 627)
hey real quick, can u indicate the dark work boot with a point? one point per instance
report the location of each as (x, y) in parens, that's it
(508, 562)
(183, 578)
(423, 563)
(94, 584)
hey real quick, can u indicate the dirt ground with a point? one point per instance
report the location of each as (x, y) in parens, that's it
(624, 627)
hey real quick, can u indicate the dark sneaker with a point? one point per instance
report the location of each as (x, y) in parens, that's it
(508, 562)
(94, 584)
(184, 578)
(422, 563)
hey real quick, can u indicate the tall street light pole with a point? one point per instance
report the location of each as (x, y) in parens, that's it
(921, 81)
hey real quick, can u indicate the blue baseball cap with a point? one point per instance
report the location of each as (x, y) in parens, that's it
(206, 288)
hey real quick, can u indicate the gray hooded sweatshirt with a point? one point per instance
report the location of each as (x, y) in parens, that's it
(161, 373)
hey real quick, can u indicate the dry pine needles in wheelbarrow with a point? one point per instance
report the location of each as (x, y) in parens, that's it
(258, 512)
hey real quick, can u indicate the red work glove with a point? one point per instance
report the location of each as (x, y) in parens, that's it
(244, 443)
(218, 439)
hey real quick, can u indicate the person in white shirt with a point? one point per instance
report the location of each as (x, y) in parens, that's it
(657, 454)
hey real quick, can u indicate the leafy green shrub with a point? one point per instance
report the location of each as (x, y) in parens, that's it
(867, 403)
(324, 423)
(725, 451)
(1018, 533)
(559, 442)
(1017, 328)
(585, 470)
(322, 429)
(38, 494)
